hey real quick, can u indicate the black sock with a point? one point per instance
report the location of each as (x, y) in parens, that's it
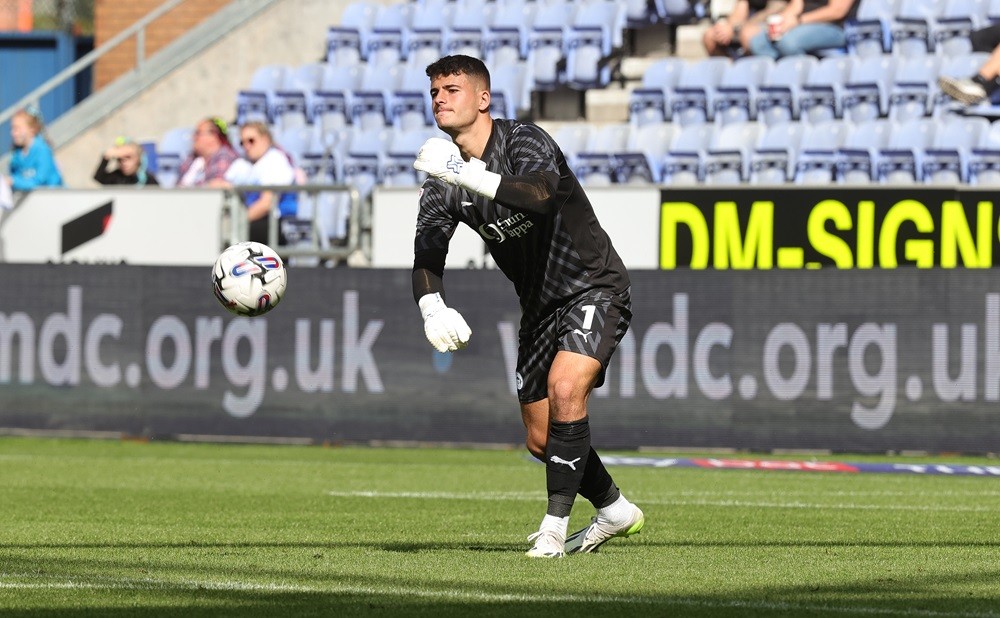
(989, 85)
(597, 485)
(565, 461)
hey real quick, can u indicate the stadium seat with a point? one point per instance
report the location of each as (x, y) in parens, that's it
(397, 164)
(363, 159)
(817, 160)
(773, 159)
(174, 146)
(346, 42)
(257, 102)
(866, 91)
(821, 96)
(649, 102)
(901, 160)
(950, 31)
(913, 87)
(410, 102)
(778, 97)
(727, 160)
(682, 165)
(639, 14)
(508, 32)
(511, 90)
(596, 169)
(691, 98)
(993, 12)
(330, 102)
(984, 159)
(857, 157)
(547, 43)
(641, 160)
(677, 11)
(423, 46)
(385, 42)
(965, 65)
(737, 91)
(295, 140)
(911, 27)
(370, 102)
(572, 138)
(595, 32)
(870, 32)
(946, 160)
(293, 101)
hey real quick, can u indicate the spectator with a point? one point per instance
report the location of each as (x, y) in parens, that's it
(806, 26)
(130, 168)
(730, 35)
(212, 155)
(268, 165)
(982, 85)
(32, 163)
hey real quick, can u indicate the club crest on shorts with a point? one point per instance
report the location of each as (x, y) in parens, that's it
(518, 380)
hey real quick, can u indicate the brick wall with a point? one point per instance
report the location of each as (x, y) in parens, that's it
(114, 16)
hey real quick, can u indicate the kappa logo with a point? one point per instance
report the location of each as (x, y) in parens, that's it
(556, 459)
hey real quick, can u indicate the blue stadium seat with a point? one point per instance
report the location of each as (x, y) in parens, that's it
(595, 32)
(913, 87)
(737, 91)
(507, 34)
(293, 101)
(870, 32)
(572, 138)
(511, 90)
(258, 100)
(174, 146)
(778, 97)
(959, 66)
(946, 160)
(911, 28)
(677, 11)
(595, 169)
(820, 95)
(363, 158)
(773, 159)
(691, 97)
(984, 160)
(817, 159)
(727, 160)
(371, 101)
(547, 43)
(856, 159)
(639, 13)
(866, 92)
(346, 42)
(682, 165)
(900, 161)
(410, 102)
(641, 160)
(397, 164)
(649, 102)
(950, 31)
(330, 102)
(385, 42)
(993, 12)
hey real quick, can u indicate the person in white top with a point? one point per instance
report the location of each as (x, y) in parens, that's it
(265, 164)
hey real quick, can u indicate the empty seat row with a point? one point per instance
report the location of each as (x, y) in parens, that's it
(916, 27)
(951, 150)
(796, 87)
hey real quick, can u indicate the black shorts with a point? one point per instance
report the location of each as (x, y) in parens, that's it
(592, 324)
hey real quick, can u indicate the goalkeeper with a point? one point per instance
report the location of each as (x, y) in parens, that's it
(509, 181)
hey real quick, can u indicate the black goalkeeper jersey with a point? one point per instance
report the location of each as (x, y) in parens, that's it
(549, 257)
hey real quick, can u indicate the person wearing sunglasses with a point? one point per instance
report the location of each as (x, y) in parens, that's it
(265, 164)
(124, 164)
(211, 155)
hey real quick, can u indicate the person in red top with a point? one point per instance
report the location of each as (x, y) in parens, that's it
(211, 155)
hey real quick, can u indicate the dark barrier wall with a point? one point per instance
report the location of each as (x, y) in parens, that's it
(850, 360)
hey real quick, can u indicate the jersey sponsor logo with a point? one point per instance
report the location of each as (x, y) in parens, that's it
(514, 226)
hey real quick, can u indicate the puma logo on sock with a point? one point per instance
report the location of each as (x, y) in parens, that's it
(559, 460)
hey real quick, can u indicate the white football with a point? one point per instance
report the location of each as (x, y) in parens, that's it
(249, 278)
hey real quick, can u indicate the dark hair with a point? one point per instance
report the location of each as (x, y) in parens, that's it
(454, 65)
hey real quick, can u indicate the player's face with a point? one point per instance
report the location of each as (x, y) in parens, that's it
(457, 100)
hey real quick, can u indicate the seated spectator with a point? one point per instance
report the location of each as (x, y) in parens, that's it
(130, 168)
(806, 26)
(731, 35)
(32, 163)
(982, 85)
(268, 165)
(212, 155)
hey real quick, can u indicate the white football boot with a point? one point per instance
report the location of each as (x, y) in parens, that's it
(601, 531)
(548, 544)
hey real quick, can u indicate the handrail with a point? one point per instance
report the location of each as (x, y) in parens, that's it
(138, 29)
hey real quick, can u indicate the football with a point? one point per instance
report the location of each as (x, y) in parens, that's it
(249, 278)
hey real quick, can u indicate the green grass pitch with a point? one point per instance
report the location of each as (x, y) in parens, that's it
(109, 528)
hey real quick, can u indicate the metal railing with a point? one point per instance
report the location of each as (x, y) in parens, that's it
(138, 30)
(317, 243)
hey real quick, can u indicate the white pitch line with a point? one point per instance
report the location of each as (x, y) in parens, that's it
(109, 583)
(534, 497)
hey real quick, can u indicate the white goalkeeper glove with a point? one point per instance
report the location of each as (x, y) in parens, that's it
(441, 159)
(445, 328)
